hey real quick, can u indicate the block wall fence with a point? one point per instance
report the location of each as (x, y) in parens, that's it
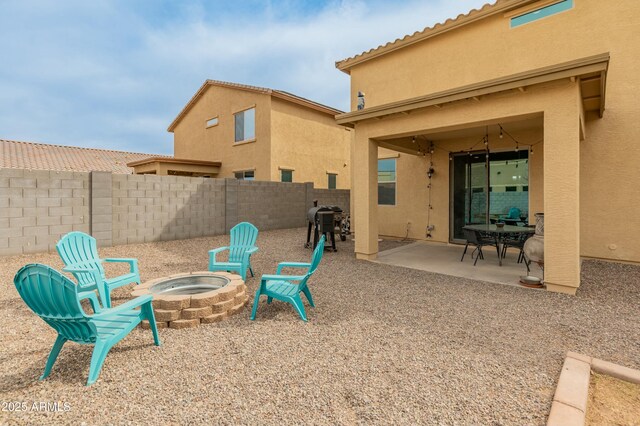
(38, 207)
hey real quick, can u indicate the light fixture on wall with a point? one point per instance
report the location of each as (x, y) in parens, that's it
(360, 100)
(430, 172)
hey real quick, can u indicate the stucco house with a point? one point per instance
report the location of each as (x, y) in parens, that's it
(518, 87)
(258, 133)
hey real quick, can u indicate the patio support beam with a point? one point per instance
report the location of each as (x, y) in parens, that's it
(365, 192)
(562, 192)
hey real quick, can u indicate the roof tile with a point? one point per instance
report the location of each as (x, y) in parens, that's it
(40, 156)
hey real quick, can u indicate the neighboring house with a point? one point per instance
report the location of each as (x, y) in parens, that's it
(40, 156)
(529, 78)
(263, 134)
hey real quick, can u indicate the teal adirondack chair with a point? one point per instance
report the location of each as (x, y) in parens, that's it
(54, 298)
(242, 245)
(79, 252)
(287, 288)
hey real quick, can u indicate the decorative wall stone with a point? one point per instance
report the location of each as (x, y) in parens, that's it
(186, 311)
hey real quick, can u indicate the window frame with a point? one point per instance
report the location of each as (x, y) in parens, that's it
(394, 182)
(235, 117)
(244, 174)
(208, 126)
(541, 12)
(335, 180)
(282, 171)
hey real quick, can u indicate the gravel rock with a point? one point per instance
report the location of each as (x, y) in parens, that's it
(384, 345)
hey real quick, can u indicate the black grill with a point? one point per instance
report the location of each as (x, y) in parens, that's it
(324, 220)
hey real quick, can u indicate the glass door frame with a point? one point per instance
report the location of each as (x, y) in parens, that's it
(487, 184)
(524, 154)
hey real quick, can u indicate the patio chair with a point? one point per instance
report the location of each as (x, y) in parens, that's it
(242, 245)
(79, 252)
(515, 241)
(54, 298)
(514, 214)
(478, 240)
(287, 288)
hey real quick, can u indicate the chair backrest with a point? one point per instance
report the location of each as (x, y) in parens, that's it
(243, 236)
(471, 236)
(316, 257)
(514, 213)
(80, 248)
(54, 298)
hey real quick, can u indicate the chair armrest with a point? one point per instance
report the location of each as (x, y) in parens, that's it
(218, 250)
(292, 265)
(252, 250)
(282, 277)
(93, 299)
(97, 278)
(133, 263)
(134, 303)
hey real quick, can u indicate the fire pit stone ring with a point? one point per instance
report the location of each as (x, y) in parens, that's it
(190, 299)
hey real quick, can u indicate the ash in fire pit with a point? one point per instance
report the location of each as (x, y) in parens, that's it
(193, 284)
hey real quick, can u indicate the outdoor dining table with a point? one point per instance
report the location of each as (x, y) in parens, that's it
(499, 233)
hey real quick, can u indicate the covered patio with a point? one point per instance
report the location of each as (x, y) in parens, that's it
(442, 258)
(538, 116)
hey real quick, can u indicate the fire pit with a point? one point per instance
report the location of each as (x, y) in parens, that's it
(188, 300)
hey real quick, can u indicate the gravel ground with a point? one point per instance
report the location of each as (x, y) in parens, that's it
(385, 345)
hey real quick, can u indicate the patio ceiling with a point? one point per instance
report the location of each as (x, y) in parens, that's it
(405, 143)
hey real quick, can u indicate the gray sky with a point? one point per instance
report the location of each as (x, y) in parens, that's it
(114, 74)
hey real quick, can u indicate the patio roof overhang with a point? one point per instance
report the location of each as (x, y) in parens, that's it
(175, 166)
(590, 72)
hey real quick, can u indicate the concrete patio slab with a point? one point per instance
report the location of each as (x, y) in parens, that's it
(445, 259)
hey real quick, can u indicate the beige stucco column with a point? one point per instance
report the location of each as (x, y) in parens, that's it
(365, 194)
(562, 193)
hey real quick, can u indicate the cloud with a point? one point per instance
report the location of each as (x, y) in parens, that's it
(115, 74)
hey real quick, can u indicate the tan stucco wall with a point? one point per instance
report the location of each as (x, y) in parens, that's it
(559, 105)
(309, 142)
(288, 135)
(607, 196)
(194, 141)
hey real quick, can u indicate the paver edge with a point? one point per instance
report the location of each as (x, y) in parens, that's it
(596, 365)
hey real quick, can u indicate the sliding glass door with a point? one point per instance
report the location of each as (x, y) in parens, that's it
(487, 189)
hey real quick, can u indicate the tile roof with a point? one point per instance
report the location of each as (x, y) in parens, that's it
(486, 10)
(264, 90)
(40, 156)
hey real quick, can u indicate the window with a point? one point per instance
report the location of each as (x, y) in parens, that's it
(245, 175)
(212, 122)
(332, 180)
(543, 12)
(286, 175)
(245, 125)
(387, 182)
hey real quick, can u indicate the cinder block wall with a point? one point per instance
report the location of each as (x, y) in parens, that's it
(38, 207)
(272, 205)
(332, 197)
(151, 208)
